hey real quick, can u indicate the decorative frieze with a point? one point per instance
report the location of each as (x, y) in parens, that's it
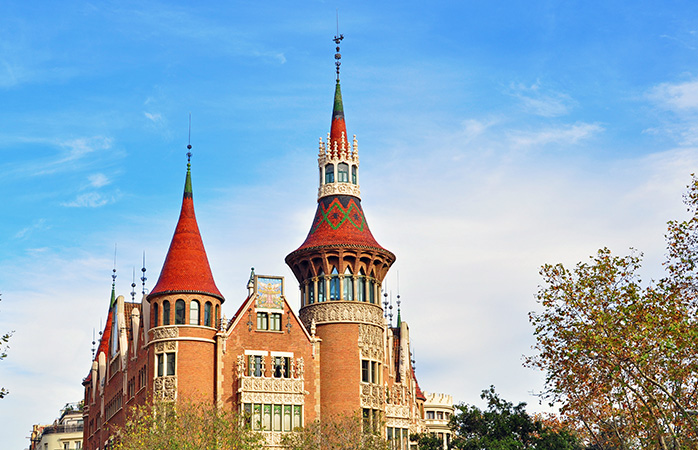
(371, 342)
(336, 311)
(167, 346)
(397, 412)
(287, 391)
(164, 333)
(338, 189)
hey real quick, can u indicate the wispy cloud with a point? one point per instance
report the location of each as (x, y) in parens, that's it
(542, 102)
(27, 231)
(678, 97)
(565, 134)
(90, 200)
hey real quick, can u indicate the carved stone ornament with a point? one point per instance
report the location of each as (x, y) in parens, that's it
(300, 368)
(287, 391)
(241, 366)
(334, 311)
(164, 333)
(397, 411)
(339, 189)
(372, 396)
(371, 342)
(165, 388)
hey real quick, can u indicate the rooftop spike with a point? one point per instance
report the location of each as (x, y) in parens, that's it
(143, 278)
(186, 268)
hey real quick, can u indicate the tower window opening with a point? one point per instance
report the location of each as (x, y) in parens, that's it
(348, 285)
(343, 172)
(334, 284)
(194, 312)
(207, 314)
(255, 366)
(311, 292)
(321, 287)
(361, 287)
(275, 322)
(156, 316)
(353, 174)
(170, 364)
(179, 312)
(329, 173)
(371, 292)
(216, 322)
(166, 312)
(262, 321)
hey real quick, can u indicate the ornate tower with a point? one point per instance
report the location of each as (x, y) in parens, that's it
(184, 313)
(340, 268)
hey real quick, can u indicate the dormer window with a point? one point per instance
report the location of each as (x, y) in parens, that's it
(343, 172)
(329, 173)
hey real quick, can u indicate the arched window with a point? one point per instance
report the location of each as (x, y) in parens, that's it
(179, 312)
(361, 286)
(194, 312)
(348, 285)
(215, 318)
(329, 173)
(166, 312)
(311, 292)
(207, 315)
(156, 316)
(334, 284)
(353, 174)
(371, 291)
(321, 287)
(343, 172)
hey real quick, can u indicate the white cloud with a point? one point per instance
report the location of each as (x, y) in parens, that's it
(538, 101)
(678, 97)
(26, 231)
(98, 180)
(154, 117)
(565, 134)
(89, 200)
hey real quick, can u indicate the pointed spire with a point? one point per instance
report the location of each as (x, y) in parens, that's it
(186, 268)
(113, 282)
(338, 128)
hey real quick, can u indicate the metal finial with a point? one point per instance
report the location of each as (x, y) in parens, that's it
(189, 144)
(93, 343)
(337, 39)
(390, 314)
(133, 285)
(143, 278)
(113, 276)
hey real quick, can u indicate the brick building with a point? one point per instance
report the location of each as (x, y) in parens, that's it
(338, 355)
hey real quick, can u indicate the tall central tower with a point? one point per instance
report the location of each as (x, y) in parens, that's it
(340, 268)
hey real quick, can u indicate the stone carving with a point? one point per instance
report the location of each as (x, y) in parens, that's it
(372, 396)
(371, 342)
(165, 333)
(241, 366)
(397, 411)
(340, 189)
(300, 368)
(271, 390)
(165, 388)
(335, 311)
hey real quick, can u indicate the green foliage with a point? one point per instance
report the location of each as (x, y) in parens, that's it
(184, 426)
(427, 441)
(4, 339)
(621, 358)
(503, 426)
(340, 432)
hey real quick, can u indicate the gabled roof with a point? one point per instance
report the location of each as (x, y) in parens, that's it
(186, 268)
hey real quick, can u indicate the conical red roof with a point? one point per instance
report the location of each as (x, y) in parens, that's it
(186, 268)
(340, 221)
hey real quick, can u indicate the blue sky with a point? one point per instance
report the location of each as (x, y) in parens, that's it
(494, 137)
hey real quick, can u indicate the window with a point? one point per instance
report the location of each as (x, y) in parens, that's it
(281, 368)
(274, 417)
(156, 316)
(370, 371)
(430, 415)
(207, 314)
(361, 286)
(287, 417)
(311, 292)
(371, 292)
(66, 445)
(262, 321)
(275, 323)
(321, 287)
(166, 364)
(353, 174)
(170, 364)
(78, 445)
(194, 312)
(166, 312)
(255, 366)
(440, 415)
(348, 285)
(277, 417)
(179, 312)
(334, 284)
(266, 418)
(329, 173)
(215, 318)
(343, 172)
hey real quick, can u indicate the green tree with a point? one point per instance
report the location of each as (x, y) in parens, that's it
(622, 358)
(184, 426)
(427, 441)
(4, 339)
(503, 426)
(340, 432)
